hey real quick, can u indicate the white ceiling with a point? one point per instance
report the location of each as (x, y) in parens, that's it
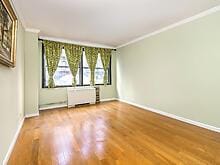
(108, 22)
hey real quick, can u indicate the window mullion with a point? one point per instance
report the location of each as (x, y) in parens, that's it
(110, 71)
(81, 71)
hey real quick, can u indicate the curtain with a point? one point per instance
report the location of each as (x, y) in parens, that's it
(73, 53)
(105, 57)
(91, 57)
(52, 52)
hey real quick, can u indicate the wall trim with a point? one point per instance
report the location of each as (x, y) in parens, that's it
(19, 16)
(14, 140)
(32, 30)
(189, 121)
(76, 42)
(64, 105)
(179, 23)
(32, 115)
(53, 107)
(108, 99)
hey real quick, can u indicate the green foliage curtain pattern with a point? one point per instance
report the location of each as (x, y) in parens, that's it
(73, 54)
(52, 53)
(105, 57)
(91, 57)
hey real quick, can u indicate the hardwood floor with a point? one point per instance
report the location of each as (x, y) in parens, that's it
(112, 133)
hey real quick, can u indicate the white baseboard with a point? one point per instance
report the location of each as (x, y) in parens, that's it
(196, 123)
(5, 161)
(11, 147)
(53, 107)
(32, 115)
(63, 105)
(108, 99)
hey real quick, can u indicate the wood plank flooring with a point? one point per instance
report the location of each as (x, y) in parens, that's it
(112, 133)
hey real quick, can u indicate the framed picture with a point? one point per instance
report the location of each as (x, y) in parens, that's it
(8, 28)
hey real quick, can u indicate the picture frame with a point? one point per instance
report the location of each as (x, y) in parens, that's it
(8, 30)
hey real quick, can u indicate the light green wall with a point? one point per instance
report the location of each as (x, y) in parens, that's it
(31, 73)
(59, 95)
(12, 96)
(177, 71)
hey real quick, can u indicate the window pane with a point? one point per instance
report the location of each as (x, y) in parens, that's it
(86, 76)
(85, 64)
(63, 75)
(99, 62)
(99, 74)
(63, 60)
(46, 75)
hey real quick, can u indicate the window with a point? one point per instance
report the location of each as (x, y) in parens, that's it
(99, 71)
(63, 76)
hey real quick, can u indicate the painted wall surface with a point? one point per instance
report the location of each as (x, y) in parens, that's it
(12, 96)
(177, 71)
(59, 95)
(31, 73)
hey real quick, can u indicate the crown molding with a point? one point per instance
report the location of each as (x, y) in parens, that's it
(32, 30)
(184, 21)
(19, 16)
(76, 42)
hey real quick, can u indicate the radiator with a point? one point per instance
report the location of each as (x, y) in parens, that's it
(80, 95)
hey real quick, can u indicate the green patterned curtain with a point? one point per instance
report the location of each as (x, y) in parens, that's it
(105, 57)
(73, 53)
(91, 57)
(52, 52)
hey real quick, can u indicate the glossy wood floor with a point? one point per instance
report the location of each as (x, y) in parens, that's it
(112, 133)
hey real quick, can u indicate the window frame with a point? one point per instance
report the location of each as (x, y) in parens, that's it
(80, 73)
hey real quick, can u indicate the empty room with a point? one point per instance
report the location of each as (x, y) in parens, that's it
(104, 82)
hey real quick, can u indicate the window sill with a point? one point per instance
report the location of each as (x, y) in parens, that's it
(46, 87)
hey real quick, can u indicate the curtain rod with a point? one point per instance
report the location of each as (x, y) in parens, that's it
(39, 39)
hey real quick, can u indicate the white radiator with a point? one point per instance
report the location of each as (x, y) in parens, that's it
(80, 95)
